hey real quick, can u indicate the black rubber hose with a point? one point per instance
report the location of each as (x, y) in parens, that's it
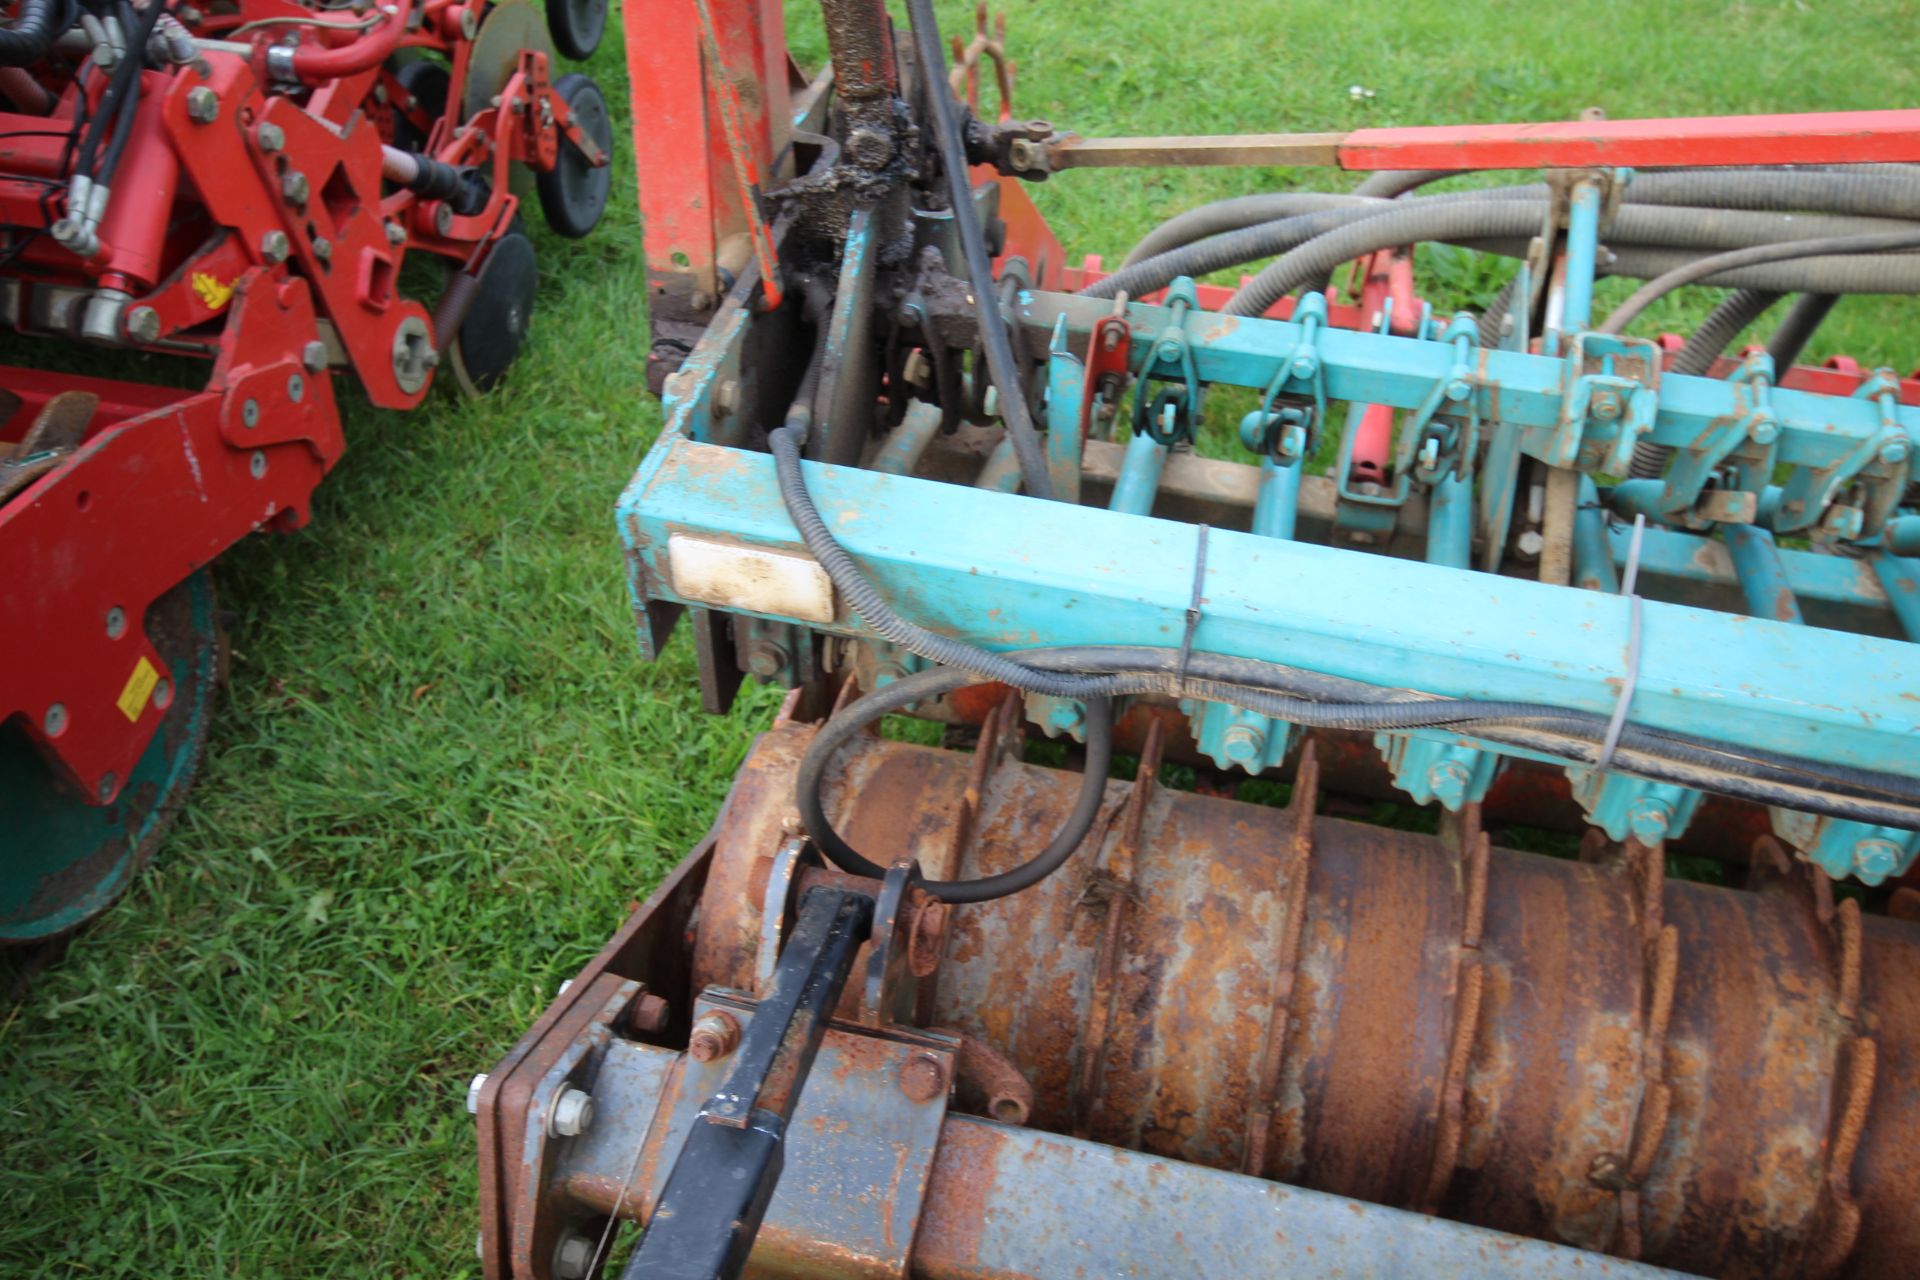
(1753, 255)
(809, 785)
(26, 40)
(1797, 327)
(1006, 374)
(1235, 213)
(1887, 273)
(1707, 343)
(1840, 191)
(1388, 183)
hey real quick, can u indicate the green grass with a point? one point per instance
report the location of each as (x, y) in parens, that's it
(441, 771)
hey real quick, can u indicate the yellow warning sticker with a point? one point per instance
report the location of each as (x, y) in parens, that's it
(211, 291)
(133, 698)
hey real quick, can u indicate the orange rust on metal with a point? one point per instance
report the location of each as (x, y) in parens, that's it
(926, 934)
(1112, 888)
(1469, 984)
(1904, 904)
(1273, 1052)
(1320, 987)
(964, 78)
(1846, 921)
(1008, 1096)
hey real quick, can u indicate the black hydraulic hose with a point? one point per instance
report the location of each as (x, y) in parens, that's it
(1797, 327)
(26, 40)
(1493, 321)
(1388, 183)
(1707, 343)
(809, 785)
(1887, 273)
(1005, 372)
(1875, 193)
(1753, 255)
(1235, 213)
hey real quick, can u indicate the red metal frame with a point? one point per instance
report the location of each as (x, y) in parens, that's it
(163, 482)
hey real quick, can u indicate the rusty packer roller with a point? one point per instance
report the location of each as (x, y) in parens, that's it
(1584, 1051)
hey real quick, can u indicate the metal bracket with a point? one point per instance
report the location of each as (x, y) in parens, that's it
(1175, 413)
(1612, 393)
(1291, 432)
(1882, 463)
(1694, 495)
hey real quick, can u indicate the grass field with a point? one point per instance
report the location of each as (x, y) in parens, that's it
(441, 771)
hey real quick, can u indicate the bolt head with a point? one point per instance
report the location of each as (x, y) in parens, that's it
(1242, 743)
(473, 1093)
(1605, 405)
(869, 148)
(322, 248)
(54, 723)
(143, 324)
(1765, 431)
(1876, 859)
(116, 622)
(257, 464)
(922, 1078)
(314, 356)
(203, 105)
(295, 187)
(107, 783)
(1459, 389)
(1448, 782)
(443, 218)
(713, 1038)
(1531, 542)
(271, 137)
(765, 659)
(250, 413)
(1893, 451)
(163, 694)
(1110, 340)
(649, 1013)
(274, 246)
(396, 234)
(572, 1114)
(574, 1258)
(296, 388)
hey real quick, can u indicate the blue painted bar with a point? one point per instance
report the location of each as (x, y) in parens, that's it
(1277, 504)
(1901, 581)
(1450, 523)
(1763, 578)
(1668, 553)
(1902, 536)
(1382, 369)
(1054, 574)
(1592, 555)
(1583, 240)
(1002, 470)
(1066, 384)
(1139, 478)
(900, 451)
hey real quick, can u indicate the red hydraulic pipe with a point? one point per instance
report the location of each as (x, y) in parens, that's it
(313, 64)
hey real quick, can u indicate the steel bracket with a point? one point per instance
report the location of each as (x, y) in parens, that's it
(1841, 848)
(1880, 462)
(1612, 394)
(1176, 412)
(1633, 808)
(1698, 493)
(1428, 770)
(1292, 437)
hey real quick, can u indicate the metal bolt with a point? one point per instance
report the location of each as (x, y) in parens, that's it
(922, 1078)
(322, 248)
(294, 187)
(274, 246)
(296, 387)
(271, 137)
(257, 464)
(1876, 859)
(649, 1013)
(250, 413)
(1110, 340)
(1764, 431)
(473, 1093)
(1303, 366)
(162, 694)
(314, 356)
(203, 105)
(726, 396)
(1605, 405)
(116, 622)
(443, 218)
(143, 324)
(766, 659)
(1243, 743)
(869, 147)
(1168, 351)
(1649, 821)
(1531, 542)
(396, 234)
(107, 784)
(469, 22)
(1893, 451)
(1459, 389)
(713, 1037)
(572, 1114)
(574, 1258)
(55, 721)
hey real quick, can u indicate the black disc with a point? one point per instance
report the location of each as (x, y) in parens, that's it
(576, 26)
(496, 323)
(427, 83)
(573, 194)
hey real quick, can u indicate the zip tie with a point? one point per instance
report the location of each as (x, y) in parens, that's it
(1193, 609)
(1627, 581)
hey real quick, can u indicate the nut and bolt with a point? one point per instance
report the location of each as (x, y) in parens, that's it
(1605, 405)
(1763, 431)
(474, 1086)
(314, 356)
(257, 464)
(322, 248)
(1110, 339)
(250, 413)
(922, 1078)
(143, 324)
(573, 1260)
(163, 694)
(1893, 452)
(714, 1037)
(396, 234)
(1243, 743)
(54, 723)
(107, 783)
(1448, 781)
(1459, 389)
(869, 147)
(572, 1114)
(443, 218)
(766, 659)
(1876, 859)
(726, 397)
(1531, 542)
(1024, 154)
(649, 1013)
(295, 187)
(296, 388)
(271, 137)
(274, 246)
(203, 105)
(116, 622)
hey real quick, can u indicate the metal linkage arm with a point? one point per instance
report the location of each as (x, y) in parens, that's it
(718, 1191)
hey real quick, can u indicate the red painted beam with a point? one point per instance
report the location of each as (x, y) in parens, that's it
(1836, 137)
